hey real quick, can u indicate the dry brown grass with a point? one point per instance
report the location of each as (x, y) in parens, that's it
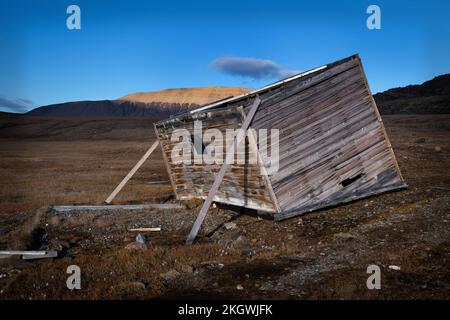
(43, 173)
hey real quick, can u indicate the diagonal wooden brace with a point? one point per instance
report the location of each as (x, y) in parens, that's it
(218, 180)
(132, 172)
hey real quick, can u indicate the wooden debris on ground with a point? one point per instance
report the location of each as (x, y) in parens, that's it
(28, 254)
(66, 208)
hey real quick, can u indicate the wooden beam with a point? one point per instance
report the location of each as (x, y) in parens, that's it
(253, 141)
(219, 177)
(166, 163)
(28, 254)
(154, 229)
(48, 254)
(116, 207)
(132, 172)
(23, 252)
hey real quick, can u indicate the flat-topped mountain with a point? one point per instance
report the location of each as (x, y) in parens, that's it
(197, 96)
(160, 103)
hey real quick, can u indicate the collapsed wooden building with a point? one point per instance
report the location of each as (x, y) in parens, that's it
(333, 147)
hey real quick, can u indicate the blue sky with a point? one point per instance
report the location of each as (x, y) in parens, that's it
(130, 46)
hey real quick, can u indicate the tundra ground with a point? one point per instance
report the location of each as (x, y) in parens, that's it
(324, 254)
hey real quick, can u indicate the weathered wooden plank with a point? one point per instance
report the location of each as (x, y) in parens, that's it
(370, 167)
(151, 229)
(308, 100)
(23, 252)
(313, 151)
(48, 254)
(118, 207)
(28, 254)
(296, 212)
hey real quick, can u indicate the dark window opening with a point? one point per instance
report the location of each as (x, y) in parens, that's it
(199, 148)
(349, 181)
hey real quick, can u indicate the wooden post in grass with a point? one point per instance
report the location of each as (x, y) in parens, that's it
(218, 180)
(132, 172)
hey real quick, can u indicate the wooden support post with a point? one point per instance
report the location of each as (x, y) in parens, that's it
(218, 180)
(132, 172)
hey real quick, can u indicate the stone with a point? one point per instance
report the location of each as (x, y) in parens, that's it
(230, 225)
(239, 287)
(140, 238)
(138, 244)
(170, 275)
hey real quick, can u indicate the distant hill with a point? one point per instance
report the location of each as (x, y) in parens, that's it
(146, 104)
(430, 97)
(109, 108)
(197, 96)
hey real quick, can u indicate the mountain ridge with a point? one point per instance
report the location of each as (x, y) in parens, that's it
(161, 103)
(430, 97)
(194, 95)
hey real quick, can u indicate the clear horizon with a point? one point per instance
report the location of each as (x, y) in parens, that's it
(137, 46)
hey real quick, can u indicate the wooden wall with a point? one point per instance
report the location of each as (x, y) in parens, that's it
(333, 146)
(243, 184)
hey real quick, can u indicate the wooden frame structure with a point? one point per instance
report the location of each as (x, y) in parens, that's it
(333, 147)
